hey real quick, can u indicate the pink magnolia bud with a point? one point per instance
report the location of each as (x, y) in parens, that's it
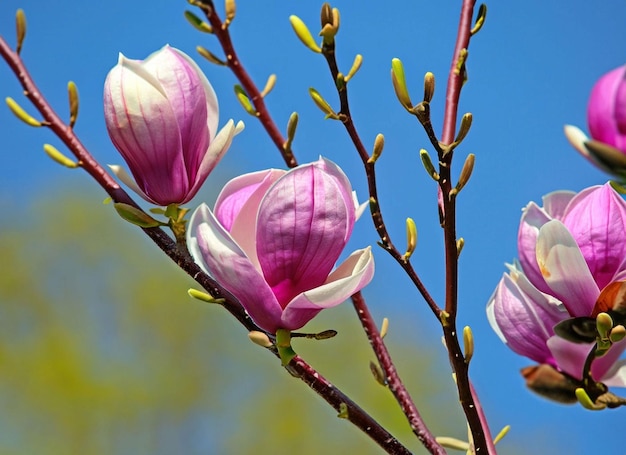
(162, 116)
(606, 113)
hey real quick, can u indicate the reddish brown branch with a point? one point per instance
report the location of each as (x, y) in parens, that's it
(235, 65)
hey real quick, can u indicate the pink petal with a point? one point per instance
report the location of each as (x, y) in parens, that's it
(605, 112)
(596, 218)
(565, 270)
(304, 218)
(351, 276)
(219, 255)
(524, 324)
(532, 219)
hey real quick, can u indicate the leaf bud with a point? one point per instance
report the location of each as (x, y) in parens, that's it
(303, 33)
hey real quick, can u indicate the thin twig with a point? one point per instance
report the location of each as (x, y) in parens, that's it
(235, 65)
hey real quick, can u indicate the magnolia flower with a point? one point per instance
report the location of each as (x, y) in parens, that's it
(162, 116)
(569, 250)
(273, 240)
(606, 116)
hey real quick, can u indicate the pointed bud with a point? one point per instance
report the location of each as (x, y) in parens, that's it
(379, 143)
(480, 19)
(330, 23)
(20, 28)
(378, 374)
(585, 400)
(429, 87)
(411, 238)
(399, 84)
(453, 443)
(428, 165)
(468, 344)
(269, 85)
(21, 113)
(322, 104)
(72, 92)
(136, 216)
(260, 338)
(198, 23)
(466, 123)
(203, 296)
(604, 324)
(343, 411)
(303, 33)
(242, 96)
(326, 15)
(617, 334)
(292, 124)
(210, 56)
(356, 65)
(466, 172)
(325, 335)
(503, 432)
(60, 158)
(231, 9)
(384, 328)
(459, 246)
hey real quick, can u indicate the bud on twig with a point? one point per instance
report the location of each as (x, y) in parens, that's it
(399, 84)
(468, 344)
(203, 296)
(136, 216)
(429, 87)
(303, 33)
(20, 29)
(384, 328)
(231, 9)
(480, 19)
(466, 123)
(379, 143)
(466, 172)
(198, 23)
(330, 23)
(22, 114)
(269, 85)
(242, 96)
(322, 104)
(72, 93)
(260, 338)
(378, 374)
(356, 65)
(210, 56)
(411, 238)
(292, 124)
(60, 158)
(459, 246)
(428, 165)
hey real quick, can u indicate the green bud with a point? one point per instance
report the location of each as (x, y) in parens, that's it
(428, 165)
(231, 9)
(269, 85)
(399, 84)
(468, 344)
(210, 56)
(356, 65)
(379, 143)
(198, 23)
(322, 104)
(20, 28)
(21, 113)
(60, 158)
(303, 33)
(72, 92)
(585, 400)
(260, 338)
(136, 216)
(503, 432)
(242, 96)
(384, 328)
(203, 296)
(378, 374)
(466, 172)
(617, 334)
(466, 123)
(480, 19)
(411, 238)
(283, 344)
(292, 124)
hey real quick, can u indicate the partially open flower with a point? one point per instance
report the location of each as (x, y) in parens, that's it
(162, 116)
(606, 116)
(569, 250)
(273, 240)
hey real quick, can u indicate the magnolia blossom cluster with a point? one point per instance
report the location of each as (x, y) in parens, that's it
(274, 236)
(570, 249)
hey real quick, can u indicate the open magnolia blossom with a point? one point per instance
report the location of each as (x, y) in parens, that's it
(569, 250)
(606, 117)
(162, 116)
(274, 238)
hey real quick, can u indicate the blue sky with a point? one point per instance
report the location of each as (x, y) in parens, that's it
(530, 72)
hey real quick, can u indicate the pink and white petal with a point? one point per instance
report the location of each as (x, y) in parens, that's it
(565, 270)
(577, 138)
(344, 186)
(228, 264)
(127, 180)
(556, 202)
(524, 325)
(616, 376)
(237, 207)
(533, 218)
(351, 276)
(304, 219)
(553, 306)
(597, 221)
(217, 148)
(570, 357)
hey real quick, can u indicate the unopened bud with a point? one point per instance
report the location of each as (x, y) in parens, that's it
(21, 114)
(503, 432)
(303, 33)
(604, 324)
(459, 246)
(480, 19)
(468, 344)
(292, 124)
(210, 56)
(72, 92)
(60, 158)
(322, 104)
(399, 84)
(203, 296)
(269, 85)
(136, 216)
(428, 165)
(378, 374)
(411, 238)
(20, 28)
(198, 23)
(384, 328)
(231, 9)
(242, 96)
(260, 338)
(585, 400)
(429, 87)
(466, 172)
(466, 123)
(379, 143)
(356, 65)
(617, 334)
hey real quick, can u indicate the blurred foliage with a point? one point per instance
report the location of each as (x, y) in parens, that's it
(103, 352)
